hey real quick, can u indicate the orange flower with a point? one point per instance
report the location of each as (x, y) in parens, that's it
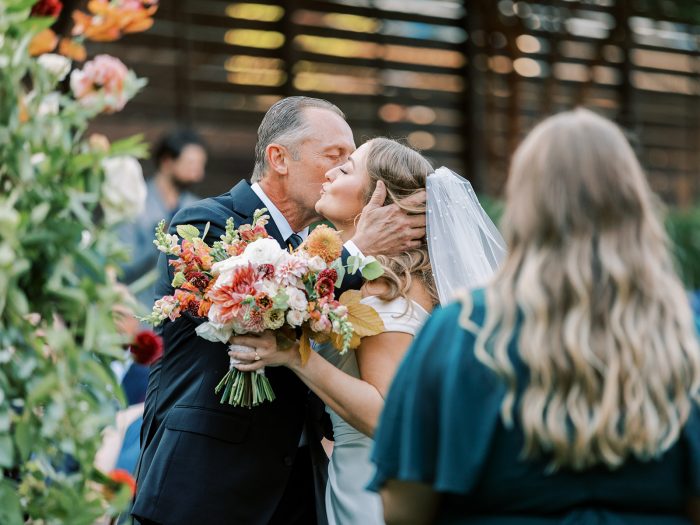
(96, 28)
(108, 21)
(43, 42)
(72, 49)
(325, 243)
(122, 476)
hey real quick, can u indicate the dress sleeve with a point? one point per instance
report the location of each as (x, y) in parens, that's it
(441, 410)
(691, 437)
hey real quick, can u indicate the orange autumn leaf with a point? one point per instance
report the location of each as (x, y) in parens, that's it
(43, 42)
(72, 49)
(365, 319)
(305, 344)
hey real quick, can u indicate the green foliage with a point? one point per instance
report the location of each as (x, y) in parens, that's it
(57, 335)
(683, 227)
(684, 230)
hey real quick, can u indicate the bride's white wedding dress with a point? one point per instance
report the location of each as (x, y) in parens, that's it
(350, 469)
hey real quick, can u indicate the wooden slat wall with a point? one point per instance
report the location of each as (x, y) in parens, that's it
(627, 60)
(462, 80)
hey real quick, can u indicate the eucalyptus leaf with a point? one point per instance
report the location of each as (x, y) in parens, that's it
(372, 270)
(337, 265)
(187, 231)
(354, 263)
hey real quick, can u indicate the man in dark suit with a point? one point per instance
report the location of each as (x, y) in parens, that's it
(203, 462)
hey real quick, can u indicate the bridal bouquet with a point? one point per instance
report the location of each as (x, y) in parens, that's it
(246, 283)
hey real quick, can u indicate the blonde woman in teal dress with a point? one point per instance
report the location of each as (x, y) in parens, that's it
(565, 392)
(353, 386)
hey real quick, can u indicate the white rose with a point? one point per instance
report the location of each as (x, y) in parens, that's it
(123, 190)
(57, 65)
(316, 264)
(265, 251)
(296, 318)
(270, 288)
(216, 333)
(297, 298)
(224, 269)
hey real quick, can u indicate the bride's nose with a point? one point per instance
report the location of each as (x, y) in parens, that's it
(331, 174)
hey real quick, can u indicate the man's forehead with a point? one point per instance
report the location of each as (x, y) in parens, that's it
(328, 127)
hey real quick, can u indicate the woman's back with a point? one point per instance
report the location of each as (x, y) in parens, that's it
(451, 403)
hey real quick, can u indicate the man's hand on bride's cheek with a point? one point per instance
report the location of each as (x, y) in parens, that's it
(389, 230)
(265, 352)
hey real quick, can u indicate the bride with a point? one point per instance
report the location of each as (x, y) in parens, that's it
(463, 249)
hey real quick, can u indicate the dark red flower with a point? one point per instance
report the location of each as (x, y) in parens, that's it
(47, 8)
(198, 279)
(329, 273)
(192, 308)
(325, 287)
(147, 347)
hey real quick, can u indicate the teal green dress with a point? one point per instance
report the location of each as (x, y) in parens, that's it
(441, 426)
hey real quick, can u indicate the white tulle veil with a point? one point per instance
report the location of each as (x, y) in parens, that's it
(465, 246)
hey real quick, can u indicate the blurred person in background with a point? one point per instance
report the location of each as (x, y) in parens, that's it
(180, 157)
(566, 391)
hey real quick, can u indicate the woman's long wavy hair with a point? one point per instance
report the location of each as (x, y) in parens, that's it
(606, 331)
(404, 172)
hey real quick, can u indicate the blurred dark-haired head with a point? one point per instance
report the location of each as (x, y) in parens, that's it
(181, 155)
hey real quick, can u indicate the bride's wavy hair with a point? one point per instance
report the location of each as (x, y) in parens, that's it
(404, 172)
(606, 329)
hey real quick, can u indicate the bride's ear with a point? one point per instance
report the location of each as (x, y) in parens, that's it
(277, 158)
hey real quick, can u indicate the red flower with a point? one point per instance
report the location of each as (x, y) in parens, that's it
(325, 287)
(199, 279)
(147, 347)
(47, 8)
(119, 475)
(329, 273)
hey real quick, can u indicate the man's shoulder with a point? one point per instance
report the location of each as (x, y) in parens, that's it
(204, 210)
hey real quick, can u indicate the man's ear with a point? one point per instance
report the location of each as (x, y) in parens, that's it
(277, 158)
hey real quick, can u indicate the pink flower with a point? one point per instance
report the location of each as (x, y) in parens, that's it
(323, 324)
(101, 79)
(169, 306)
(291, 271)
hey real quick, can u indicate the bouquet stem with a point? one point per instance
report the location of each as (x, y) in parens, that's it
(244, 389)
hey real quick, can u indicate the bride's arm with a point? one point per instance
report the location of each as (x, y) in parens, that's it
(357, 401)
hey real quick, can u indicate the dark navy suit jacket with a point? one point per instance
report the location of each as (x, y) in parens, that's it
(202, 461)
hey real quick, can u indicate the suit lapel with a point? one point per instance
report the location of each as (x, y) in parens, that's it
(244, 202)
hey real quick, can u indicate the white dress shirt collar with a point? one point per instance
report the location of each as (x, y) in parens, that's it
(282, 224)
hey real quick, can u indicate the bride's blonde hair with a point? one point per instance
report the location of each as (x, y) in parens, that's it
(606, 330)
(404, 172)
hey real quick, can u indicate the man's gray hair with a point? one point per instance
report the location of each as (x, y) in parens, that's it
(284, 124)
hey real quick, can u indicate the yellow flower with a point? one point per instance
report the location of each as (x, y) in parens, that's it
(325, 243)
